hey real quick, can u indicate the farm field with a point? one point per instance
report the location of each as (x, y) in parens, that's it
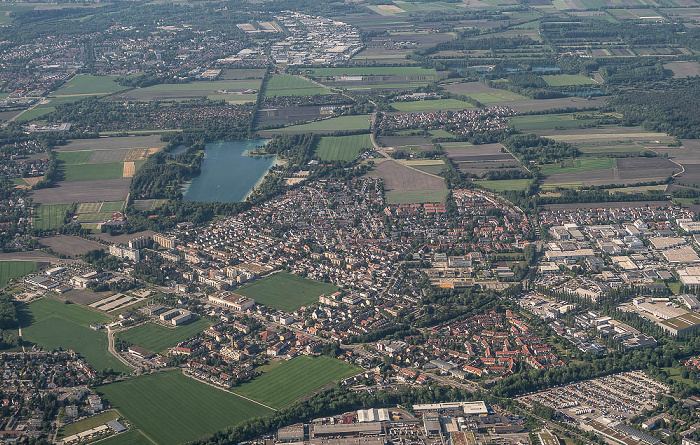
(132, 437)
(342, 123)
(157, 338)
(279, 116)
(113, 143)
(398, 177)
(194, 408)
(192, 90)
(375, 71)
(609, 133)
(86, 424)
(578, 165)
(69, 245)
(283, 85)
(75, 157)
(535, 105)
(342, 148)
(482, 93)
(432, 166)
(415, 196)
(48, 217)
(285, 291)
(563, 80)
(480, 159)
(593, 171)
(91, 172)
(431, 105)
(87, 85)
(15, 269)
(408, 86)
(553, 121)
(84, 191)
(296, 378)
(52, 325)
(505, 184)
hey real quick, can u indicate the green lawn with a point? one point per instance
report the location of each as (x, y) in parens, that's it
(35, 113)
(285, 291)
(84, 84)
(86, 424)
(494, 97)
(432, 105)
(375, 71)
(75, 157)
(112, 206)
(53, 325)
(48, 217)
(133, 437)
(15, 269)
(578, 165)
(342, 123)
(563, 80)
(287, 85)
(296, 378)
(415, 196)
(171, 408)
(158, 338)
(505, 184)
(88, 172)
(343, 148)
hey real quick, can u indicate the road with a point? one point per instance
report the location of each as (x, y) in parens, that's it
(110, 347)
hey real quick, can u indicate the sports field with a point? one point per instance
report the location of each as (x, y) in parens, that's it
(565, 80)
(375, 71)
(53, 325)
(85, 85)
(343, 148)
(287, 85)
(48, 217)
(296, 378)
(578, 165)
(285, 291)
(133, 437)
(15, 269)
(432, 105)
(341, 123)
(505, 184)
(86, 424)
(415, 196)
(171, 408)
(158, 338)
(90, 172)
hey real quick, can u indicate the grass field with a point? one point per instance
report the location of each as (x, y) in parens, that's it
(158, 338)
(75, 157)
(296, 378)
(496, 97)
(431, 105)
(578, 165)
(549, 121)
(53, 325)
(133, 437)
(376, 71)
(171, 408)
(83, 84)
(90, 172)
(415, 196)
(283, 85)
(113, 206)
(48, 217)
(342, 123)
(286, 291)
(343, 148)
(505, 184)
(563, 80)
(86, 424)
(15, 269)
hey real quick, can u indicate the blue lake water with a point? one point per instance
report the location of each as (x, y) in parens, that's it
(228, 174)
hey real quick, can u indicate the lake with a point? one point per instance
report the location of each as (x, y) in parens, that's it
(228, 174)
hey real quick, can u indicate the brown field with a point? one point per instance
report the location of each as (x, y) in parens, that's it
(141, 154)
(83, 296)
(70, 245)
(628, 171)
(470, 87)
(379, 53)
(108, 155)
(479, 159)
(397, 142)
(129, 169)
(122, 239)
(607, 205)
(683, 69)
(287, 115)
(608, 134)
(84, 191)
(401, 178)
(34, 180)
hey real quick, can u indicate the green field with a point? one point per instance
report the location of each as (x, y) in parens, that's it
(342, 123)
(375, 71)
(578, 165)
(53, 325)
(112, 206)
(49, 217)
(494, 97)
(15, 269)
(283, 85)
(133, 437)
(285, 291)
(158, 338)
(171, 408)
(89, 172)
(431, 105)
(505, 184)
(296, 378)
(35, 113)
(74, 157)
(415, 196)
(564, 80)
(84, 84)
(550, 121)
(343, 148)
(86, 424)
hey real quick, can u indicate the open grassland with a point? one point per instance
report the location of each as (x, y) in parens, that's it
(91, 172)
(505, 184)
(564, 80)
(171, 408)
(296, 378)
(133, 437)
(49, 217)
(53, 325)
(553, 121)
(342, 123)
(415, 196)
(74, 157)
(287, 85)
(86, 85)
(86, 424)
(495, 97)
(578, 165)
(343, 148)
(158, 338)
(15, 269)
(375, 71)
(285, 291)
(432, 105)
